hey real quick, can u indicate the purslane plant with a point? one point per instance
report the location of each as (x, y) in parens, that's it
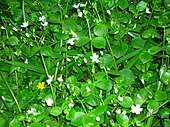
(84, 64)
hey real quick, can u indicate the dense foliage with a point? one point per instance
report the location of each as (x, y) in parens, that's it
(86, 63)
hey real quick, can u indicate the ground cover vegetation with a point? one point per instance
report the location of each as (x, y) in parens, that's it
(93, 63)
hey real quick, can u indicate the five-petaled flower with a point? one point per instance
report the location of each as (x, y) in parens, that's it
(136, 109)
(25, 24)
(49, 101)
(40, 85)
(50, 79)
(94, 58)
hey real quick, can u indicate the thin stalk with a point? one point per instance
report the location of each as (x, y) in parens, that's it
(16, 77)
(155, 110)
(82, 104)
(23, 11)
(111, 52)
(18, 106)
(4, 117)
(51, 87)
(164, 36)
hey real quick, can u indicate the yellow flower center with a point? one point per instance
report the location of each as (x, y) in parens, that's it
(40, 85)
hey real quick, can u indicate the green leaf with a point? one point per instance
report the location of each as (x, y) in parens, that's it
(166, 122)
(160, 96)
(101, 30)
(138, 42)
(107, 61)
(122, 119)
(102, 84)
(123, 4)
(128, 76)
(37, 125)
(33, 51)
(99, 42)
(146, 34)
(14, 123)
(168, 49)
(55, 111)
(145, 57)
(154, 50)
(153, 106)
(78, 119)
(92, 100)
(164, 113)
(27, 66)
(82, 41)
(39, 117)
(98, 110)
(54, 18)
(141, 6)
(127, 102)
(13, 40)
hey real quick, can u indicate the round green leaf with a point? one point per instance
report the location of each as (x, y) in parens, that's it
(82, 41)
(153, 106)
(122, 119)
(102, 83)
(141, 6)
(127, 102)
(146, 34)
(107, 60)
(78, 119)
(145, 57)
(55, 111)
(100, 30)
(123, 4)
(168, 49)
(98, 110)
(99, 42)
(160, 95)
(13, 40)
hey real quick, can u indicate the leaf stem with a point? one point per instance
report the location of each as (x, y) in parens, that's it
(18, 106)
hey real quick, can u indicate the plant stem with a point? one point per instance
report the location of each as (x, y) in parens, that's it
(11, 92)
(23, 11)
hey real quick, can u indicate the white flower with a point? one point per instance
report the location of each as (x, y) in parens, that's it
(120, 98)
(50, 79)
(68, 86)
(49, 101)
(2, 27)
(60, 79)
(25, 24)
(47, 126)
(68, 59)
(1, 111)
(3, 98)
(147, 11)
(116, 90)
(31, 111)
(83, 5)
(27, 35)
(80, 14)
(71, 41)
(87, 89)
(108, 12)
(94, 58)
(42, 18)
(70, 105)
(15, 29)
(136, 109)
(44, 23)
(118, 111)
(97, 118)
(108, 112)
(85, 60)
(124, 112)
(26, 61)
(101, 52)
(76, 6)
